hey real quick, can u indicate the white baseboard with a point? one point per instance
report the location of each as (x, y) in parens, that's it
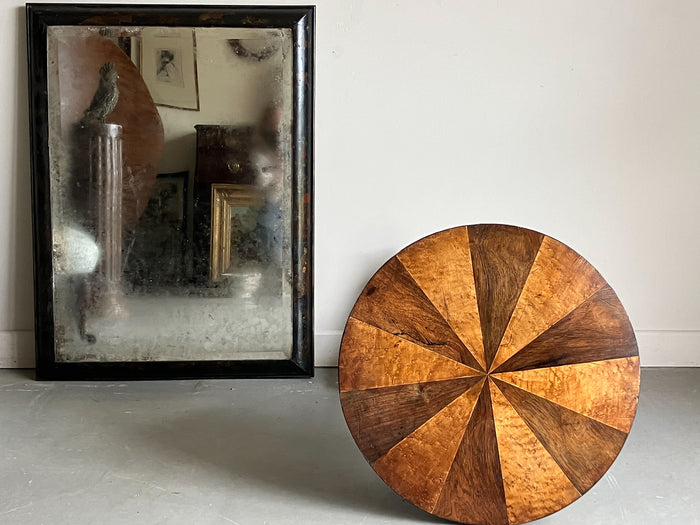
(326, 347)
(669, 347)
(656, 348)
(17, 349)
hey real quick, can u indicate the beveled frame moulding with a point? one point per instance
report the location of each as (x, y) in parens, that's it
(291, 29)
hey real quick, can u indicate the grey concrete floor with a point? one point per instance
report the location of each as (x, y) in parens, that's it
(278, 452)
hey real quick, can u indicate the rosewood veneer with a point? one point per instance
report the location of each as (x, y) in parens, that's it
(489, 374)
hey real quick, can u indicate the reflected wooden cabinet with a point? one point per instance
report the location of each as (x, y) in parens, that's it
(223, 157)
(223, 154)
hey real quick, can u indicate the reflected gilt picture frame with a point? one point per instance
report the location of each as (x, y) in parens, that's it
(225, 197)
(212, 163)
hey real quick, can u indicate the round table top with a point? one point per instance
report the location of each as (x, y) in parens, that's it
(489, 374)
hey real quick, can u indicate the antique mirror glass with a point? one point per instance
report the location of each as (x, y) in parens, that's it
(175, 189)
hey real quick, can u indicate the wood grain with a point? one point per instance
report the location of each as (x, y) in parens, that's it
(559, 281)
(527, 467)
(441, 265)
(416, 468)
(375, 358)
(473, 492)
(501, 259)
(583, 447)
(535, 432)
(379, 418)
(393, 302)
(597, 330)
(606, 391)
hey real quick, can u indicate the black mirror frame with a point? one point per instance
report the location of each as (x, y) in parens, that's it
(301, 21)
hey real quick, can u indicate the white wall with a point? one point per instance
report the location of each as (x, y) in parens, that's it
(238, 97)
(577, 119)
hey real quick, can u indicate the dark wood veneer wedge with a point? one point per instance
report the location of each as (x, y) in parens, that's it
(473, 491)
(381, 417)
(501, 258)
(394, 302)
(597, 330)
(583, 447)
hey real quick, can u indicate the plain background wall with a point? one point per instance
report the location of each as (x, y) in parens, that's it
(577, 119)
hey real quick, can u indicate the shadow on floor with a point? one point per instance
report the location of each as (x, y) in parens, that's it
(23, 373)
(311, 456)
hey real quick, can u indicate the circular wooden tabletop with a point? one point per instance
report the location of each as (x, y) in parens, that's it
(489, 374)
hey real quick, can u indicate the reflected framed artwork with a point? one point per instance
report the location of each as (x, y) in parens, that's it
(172, 189)
(168, 64)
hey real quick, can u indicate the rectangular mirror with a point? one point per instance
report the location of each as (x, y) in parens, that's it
(172, 190)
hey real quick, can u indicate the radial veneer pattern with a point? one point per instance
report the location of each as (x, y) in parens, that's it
(412, 317)
(489, 374)
(375, 358)
(442, 267)
(527, 467)
(419, 464)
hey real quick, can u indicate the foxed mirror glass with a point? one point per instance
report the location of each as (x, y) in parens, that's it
(172, 188)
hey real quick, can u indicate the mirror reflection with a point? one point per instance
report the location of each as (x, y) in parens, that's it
(171, 170)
